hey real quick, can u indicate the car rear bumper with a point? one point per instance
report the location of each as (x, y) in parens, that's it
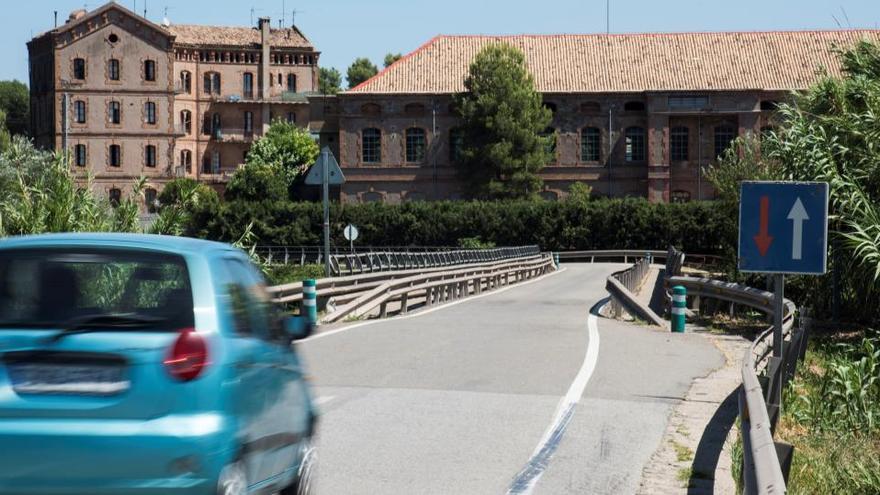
(173, 454)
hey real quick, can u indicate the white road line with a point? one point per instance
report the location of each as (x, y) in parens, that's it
(526, 479)
(323, 400)
(427, 311)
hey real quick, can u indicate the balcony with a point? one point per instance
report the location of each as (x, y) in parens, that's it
(256, 97)
(233, 135)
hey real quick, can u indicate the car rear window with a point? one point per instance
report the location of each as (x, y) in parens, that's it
(52, 287)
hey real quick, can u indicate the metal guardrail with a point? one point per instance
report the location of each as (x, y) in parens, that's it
(626, 255)
(622, 287)
(765, 462)
(381, 261)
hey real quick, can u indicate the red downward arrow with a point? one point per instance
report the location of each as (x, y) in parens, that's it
(764, 239)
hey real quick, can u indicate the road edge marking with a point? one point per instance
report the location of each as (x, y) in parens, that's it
(431, 310)
(528, 477)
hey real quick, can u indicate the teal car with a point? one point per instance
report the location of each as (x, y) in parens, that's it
(136, 364)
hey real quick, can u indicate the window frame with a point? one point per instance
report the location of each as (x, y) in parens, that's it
(679, 151)
(80, 155)
(719, 133)
(415, 152)
(247, 85)
(114, 116)
(150, 70)
(591, 144)
(456, 143)
(150, 155)
(114, 151)
(186, 81)
(634, 144)
(114, 195)
(248, 123)
(375, 150)
(80, 112)
(150, 113)
(186, 160)
(114, 69)
(291, 83)
(79, 66)
(151, 205)
(186, 121)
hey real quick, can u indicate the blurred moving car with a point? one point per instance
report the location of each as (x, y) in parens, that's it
(135, 364)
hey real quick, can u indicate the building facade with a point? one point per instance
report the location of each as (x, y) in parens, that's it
(130, 98)
(633, 115)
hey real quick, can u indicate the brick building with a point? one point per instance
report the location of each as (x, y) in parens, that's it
(131, 98)
(634, 115)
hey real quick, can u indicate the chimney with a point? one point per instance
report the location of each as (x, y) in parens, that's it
(265, 37)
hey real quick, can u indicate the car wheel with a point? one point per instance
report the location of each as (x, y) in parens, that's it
(233, 480)
(302, 485)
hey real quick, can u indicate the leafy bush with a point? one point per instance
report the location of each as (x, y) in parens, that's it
(697, 227)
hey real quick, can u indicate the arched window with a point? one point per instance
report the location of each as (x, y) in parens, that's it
(371, 145)
(149, 70)
(679, 139)
(186, 82)
(635, 144)
(186, 121)
(79, 111)
(150, 113)
(150, 156)
(591, 144)
(634, 106)
(115, 196)
(151, 199)
(371, 109)
(724, 136)
(415, 144)
(291, 83)
(414, 109)
(212, 83)
(591, 107)
(79, 68)
(456, 142)
(186, 159)
(113, 69)
(248, 85)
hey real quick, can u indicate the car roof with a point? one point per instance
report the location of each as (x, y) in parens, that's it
(139, 241)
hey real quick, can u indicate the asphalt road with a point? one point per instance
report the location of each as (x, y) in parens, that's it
(457, 400)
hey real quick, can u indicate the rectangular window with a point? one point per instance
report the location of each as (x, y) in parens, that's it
(150, 113)
(248, 84)
(151, 200)
(635, 144)
(115, 112)
(590, 144)
(79, 69)
(724, 136)
(291, 83)
(150, 155)
(688, 102)
(678, 144)
(415, 145)
(79, 153)
(215, 162)
(113, 69)
(79, 110)
(115, 155)
(149, 70)
(291, 117)
(248, 122)
(371, 146)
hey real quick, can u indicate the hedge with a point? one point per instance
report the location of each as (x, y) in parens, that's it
(696, 227)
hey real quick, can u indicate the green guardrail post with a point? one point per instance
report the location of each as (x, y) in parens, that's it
(556, 260)
(310, 301)
(679, 307)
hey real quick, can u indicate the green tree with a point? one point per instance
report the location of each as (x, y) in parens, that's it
(390, 58)
(5, 137)
(256, 182)
(287, 148)
(329, 81)
(15, 101)
(359, 71)
(502, 118)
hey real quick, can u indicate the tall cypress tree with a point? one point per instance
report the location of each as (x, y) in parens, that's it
(502, 121)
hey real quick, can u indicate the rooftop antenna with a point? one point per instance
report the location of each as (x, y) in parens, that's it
(293, 16)
(165, 21)
(56, 18)
(848, 24)
(253, 11)
(607, 17)
(283, 10)
(145, 9)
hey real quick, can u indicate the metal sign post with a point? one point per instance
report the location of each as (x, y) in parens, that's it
(324, 172)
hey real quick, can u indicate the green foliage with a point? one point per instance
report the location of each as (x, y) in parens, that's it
(502, 119)
(474, 243)
(5, 137)
(15, 102)
(390, 58)
(287, 148)
(38, 194)
(178, 200)
(833, 418)
(697, 227)
(742, 161)
(287, 274)
(359, 71)
(329, 81)
(256, 182)
(579, 192)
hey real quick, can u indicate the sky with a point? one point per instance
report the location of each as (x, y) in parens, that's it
(346, 29)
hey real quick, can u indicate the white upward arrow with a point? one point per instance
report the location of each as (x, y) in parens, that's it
(798, 215)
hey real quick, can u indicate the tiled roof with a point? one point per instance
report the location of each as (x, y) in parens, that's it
(190, 34)
(629, 62)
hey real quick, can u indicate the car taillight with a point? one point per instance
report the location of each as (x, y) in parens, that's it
(188, 356)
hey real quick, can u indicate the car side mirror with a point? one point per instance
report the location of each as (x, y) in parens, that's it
(297, 327)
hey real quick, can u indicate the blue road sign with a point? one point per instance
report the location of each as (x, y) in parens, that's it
(783, 227)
